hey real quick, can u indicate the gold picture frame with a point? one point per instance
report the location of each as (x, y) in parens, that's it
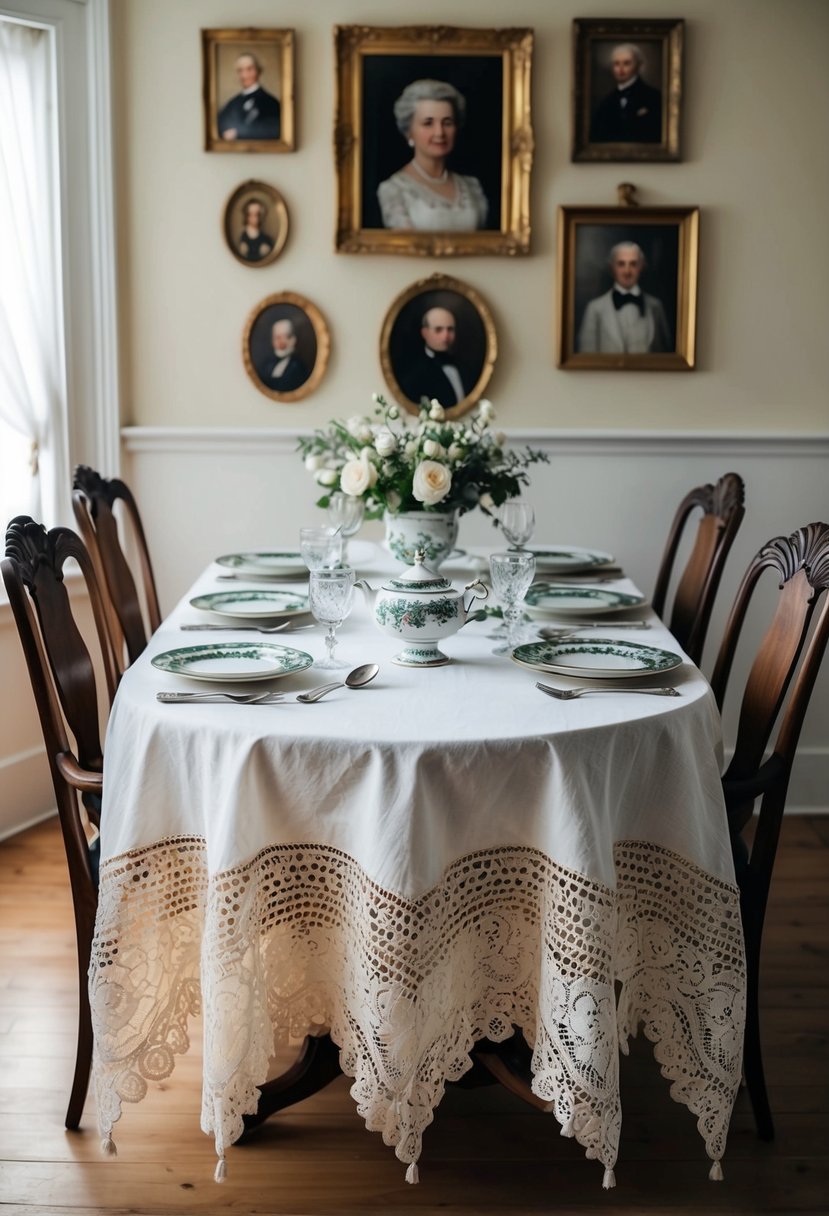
(598, 327)
(483, 189)
(411, 372)
(302, 348)
(237, 118)
(627, 89)
(255, 224)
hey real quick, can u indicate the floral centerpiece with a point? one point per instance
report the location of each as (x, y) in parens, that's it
(431, 465)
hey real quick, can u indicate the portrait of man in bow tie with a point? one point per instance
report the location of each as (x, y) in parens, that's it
(625, 319)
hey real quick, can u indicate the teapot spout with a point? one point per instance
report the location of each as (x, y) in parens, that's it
(367, 589)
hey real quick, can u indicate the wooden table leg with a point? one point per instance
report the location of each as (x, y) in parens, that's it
(317, 1065)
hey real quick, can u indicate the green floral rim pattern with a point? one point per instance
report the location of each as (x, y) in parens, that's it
(642, 659)
(541, 592)
(284, 659)
(273, 603)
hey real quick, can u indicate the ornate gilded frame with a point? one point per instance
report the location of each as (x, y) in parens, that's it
(321, 335)
(273, 202)
(434, 284)
(277, 45)
(353, 44)
(622, 224)
(670, 35)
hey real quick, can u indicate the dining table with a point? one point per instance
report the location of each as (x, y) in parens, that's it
(442, 857)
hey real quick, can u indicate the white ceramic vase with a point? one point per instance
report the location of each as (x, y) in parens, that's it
(433, 532)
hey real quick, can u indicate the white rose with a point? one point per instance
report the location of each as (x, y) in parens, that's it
(385, 443)
(436, 412)
(326, 477)
(431, 447)
(455, 453)
(356, 424)
(312, 463)
(486, 410)
(431, 482)
(486, 500)
(355, 477)
(411, 448)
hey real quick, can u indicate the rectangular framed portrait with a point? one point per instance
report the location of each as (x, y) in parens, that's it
(627, 288)
(433, 140)
(627, 89)
(248, 87)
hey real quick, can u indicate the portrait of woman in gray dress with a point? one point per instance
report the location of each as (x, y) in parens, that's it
(425, 194)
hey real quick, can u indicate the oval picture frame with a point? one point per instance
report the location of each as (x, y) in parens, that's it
(304, 364)
(410, 369)
(247, 249)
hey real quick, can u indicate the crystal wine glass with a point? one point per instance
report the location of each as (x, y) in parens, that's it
(511, 572)
(331, 594)
(345, 511)
(517, 518)
(321, 548)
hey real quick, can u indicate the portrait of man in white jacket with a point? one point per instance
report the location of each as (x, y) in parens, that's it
(626, 319)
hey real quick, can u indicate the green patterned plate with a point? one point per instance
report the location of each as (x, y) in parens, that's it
(596, 658)
(282, 564)
(544, 599)
(562, 559)
(255, 604)
(233, 661)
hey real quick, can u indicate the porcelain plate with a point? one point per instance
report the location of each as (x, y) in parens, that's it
(233, 661)
(254, 604)
(596, 658)
(545, 599)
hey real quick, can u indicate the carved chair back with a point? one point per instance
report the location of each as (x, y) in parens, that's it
(93, 501)
(62, 675)
(775, 699)
(722, 512)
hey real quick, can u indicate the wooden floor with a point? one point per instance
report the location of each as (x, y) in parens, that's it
(485, 1153)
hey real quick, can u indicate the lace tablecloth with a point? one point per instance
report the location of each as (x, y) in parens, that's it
(438, 858)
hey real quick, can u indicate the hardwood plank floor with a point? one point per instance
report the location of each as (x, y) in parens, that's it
(485, 1153)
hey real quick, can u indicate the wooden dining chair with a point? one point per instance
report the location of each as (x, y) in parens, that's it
(63, 681)
(93, 501)
(776, 696)
(722, 512)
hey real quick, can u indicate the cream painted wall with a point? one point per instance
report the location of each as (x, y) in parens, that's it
(755, 136)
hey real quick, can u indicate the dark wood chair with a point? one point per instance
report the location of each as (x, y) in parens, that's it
(93, 501)
(776, 696)
(63, 681)
(722, 512)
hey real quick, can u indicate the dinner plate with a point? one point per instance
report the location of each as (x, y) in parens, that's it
(544, 599)
(598, 658)
(255, 604)
(233, 661)
(563, 559)
(282, 563)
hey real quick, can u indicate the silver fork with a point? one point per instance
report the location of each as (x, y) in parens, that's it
(285, 626)
(568, 694)
(237, 698)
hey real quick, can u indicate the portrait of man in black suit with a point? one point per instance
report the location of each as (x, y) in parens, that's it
(285, 346)
(632, 111)
(439, 346)
(283, 370)
(253, 112)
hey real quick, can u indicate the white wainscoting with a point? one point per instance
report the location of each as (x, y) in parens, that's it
(205, 492)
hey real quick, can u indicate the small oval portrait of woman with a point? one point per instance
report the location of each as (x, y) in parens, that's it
(285, 346)
(426, 194)
(255, 224)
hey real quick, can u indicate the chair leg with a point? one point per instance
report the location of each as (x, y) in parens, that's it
(83, 1059)
(752, 1050)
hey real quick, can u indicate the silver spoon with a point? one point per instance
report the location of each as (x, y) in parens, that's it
(355, 679)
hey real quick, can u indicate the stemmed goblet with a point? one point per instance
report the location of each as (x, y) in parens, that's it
(517, 519)
(511, 572)
(321, 548)
(345, 511)
(331, 593)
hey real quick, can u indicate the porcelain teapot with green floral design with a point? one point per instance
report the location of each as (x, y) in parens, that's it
(421, 608)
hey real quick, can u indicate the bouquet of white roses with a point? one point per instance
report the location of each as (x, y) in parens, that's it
(430, 464)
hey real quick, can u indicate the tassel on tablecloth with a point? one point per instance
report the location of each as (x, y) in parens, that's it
(221, 1170)
(609, 1180)
(715, 1173)
(108, 1146)
(412, 1175)
(569, 1128)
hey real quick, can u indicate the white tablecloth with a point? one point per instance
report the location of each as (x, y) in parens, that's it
(436, 858)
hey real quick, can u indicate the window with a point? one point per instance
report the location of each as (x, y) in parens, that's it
(58, 359)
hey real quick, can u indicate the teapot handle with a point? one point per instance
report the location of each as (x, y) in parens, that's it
(478, 590)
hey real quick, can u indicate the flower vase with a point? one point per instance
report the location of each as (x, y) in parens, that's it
(435, 532)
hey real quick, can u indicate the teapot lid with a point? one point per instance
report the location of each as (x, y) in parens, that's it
(418, 577)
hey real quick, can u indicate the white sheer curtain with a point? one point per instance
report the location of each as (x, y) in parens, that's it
(32, 378)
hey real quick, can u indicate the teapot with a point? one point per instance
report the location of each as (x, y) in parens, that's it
(421, 608)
